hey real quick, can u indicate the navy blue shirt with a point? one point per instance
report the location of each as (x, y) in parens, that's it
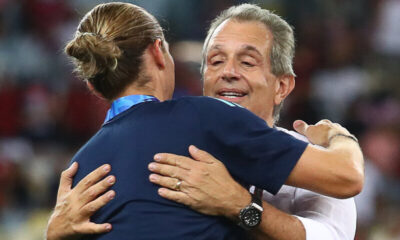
(252, 152)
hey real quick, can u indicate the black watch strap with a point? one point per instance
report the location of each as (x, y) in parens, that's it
(256, 197)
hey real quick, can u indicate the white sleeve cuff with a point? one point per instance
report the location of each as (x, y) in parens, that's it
(316, 230)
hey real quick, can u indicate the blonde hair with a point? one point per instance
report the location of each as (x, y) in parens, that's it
(109, 43)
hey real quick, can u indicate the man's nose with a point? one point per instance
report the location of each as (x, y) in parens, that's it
(230, 72)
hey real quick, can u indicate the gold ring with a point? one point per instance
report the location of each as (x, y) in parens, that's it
(178, 185)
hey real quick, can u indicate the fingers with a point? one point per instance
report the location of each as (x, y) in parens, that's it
(97, 189)
(201, 155)
(67, 176)
(168, 170)
(300, 126)
(321, 132)
(92, 178)
(92, 207)
(174, 160)
(341, 129)
(175, 196)
(163, 181)
(93, 228)
(326, 121)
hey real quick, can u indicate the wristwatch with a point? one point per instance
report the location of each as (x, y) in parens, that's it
(251, 215)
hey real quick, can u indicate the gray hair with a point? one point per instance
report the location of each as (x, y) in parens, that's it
(282, 50)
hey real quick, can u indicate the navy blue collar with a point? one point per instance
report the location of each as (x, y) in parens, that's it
(124, 103)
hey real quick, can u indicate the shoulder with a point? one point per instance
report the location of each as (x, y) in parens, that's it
(214, 109)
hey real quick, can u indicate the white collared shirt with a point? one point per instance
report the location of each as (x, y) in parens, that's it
(322, 217)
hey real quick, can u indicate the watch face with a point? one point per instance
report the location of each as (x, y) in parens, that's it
(251, 217)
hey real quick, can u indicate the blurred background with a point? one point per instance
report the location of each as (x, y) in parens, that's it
(348, 70)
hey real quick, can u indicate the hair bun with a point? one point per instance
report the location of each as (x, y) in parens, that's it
(94, 54)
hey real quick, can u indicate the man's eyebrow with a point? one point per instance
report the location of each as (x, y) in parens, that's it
(216, 47)
(251, 48)
(245, 47)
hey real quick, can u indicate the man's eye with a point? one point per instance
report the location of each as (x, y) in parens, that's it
(215, 63)
(248, 64)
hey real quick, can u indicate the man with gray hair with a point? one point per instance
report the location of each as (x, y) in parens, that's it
(282, 49)
(247, 59)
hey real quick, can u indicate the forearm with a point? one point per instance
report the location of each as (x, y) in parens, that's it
(348, 149)
(278, 225)
(346, 163)
(275, 224)
(313, 216)
(336, 171)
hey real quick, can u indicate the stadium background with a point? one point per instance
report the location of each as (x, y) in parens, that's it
(347, 64)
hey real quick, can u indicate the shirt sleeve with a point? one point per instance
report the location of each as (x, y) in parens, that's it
(253, 152)
(334, 219)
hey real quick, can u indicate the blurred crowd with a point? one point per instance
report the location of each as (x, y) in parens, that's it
(348, 70)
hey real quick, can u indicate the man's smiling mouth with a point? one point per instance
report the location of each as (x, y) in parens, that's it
(231, 94)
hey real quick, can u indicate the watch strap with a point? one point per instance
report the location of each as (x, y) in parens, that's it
(256, 197)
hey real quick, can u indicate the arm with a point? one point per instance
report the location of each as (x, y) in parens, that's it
(276, 224)
(207, 181)
(335, 171)
(338, 170)
(267, 158)
(74, 207)
(68, 222)
(313, 216)
(208, 188)
(69, 202)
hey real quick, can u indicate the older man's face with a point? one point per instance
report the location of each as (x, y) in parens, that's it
(238, 67)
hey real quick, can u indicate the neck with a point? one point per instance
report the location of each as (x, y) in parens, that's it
(146, 90)
(270, 121)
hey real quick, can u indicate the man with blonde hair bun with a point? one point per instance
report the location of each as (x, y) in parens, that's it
(247, 60)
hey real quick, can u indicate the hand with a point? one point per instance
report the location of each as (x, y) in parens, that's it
(74, 207)
(320, 133)
(206, 185)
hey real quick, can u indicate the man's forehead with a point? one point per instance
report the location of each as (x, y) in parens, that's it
(246, 35)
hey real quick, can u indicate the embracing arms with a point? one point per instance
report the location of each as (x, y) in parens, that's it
(338, 171)
(207, 187)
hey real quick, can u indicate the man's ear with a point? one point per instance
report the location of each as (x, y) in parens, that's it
(284, 86)
(157, 52)
(94, 91)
